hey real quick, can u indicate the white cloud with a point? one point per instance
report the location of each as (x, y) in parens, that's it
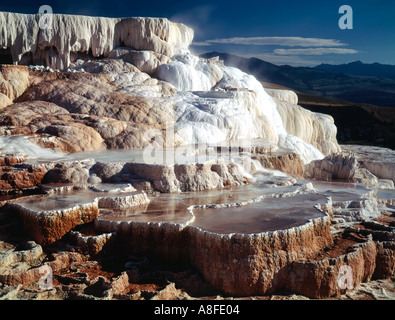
(276, 41)
(201, 44)
(308, 53)
(314, 51)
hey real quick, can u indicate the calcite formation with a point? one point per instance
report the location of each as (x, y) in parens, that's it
(289, 163)
(379, 161)
(46, 227)
(138, 78)
(316, 128)
(346, 167)
(139, 151)
(69, 36)
(238, 264)
(320, 279)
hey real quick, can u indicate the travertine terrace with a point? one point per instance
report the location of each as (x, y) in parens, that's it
(133, 169)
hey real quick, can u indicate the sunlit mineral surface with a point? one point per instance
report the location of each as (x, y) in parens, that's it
(133, 169)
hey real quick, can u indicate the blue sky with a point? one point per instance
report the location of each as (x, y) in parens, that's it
(299, 33)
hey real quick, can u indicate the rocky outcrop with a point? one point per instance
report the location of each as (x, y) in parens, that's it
(19, 265)
(257, 258)
(14, 80)
(175, 178)
(46, 223)
(379, 161)
(73, 172)
(17, 177)
(214, 102)
(94, 244)
(344, 167)
(333, 167)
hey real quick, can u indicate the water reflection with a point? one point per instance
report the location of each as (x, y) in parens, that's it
(270, 214)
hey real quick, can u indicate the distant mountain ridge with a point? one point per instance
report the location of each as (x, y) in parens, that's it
(361, 69)
(362, 88)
